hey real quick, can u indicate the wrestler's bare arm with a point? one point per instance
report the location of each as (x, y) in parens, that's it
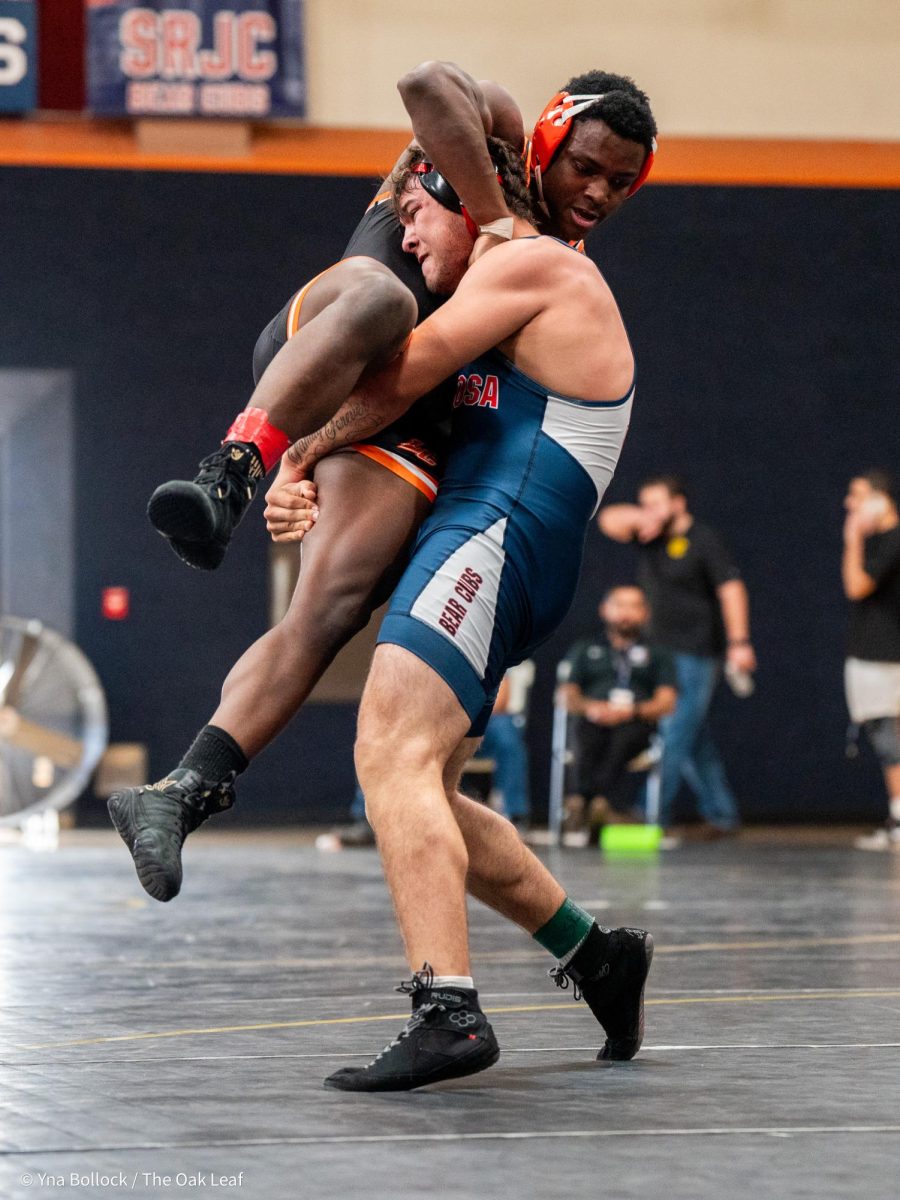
(497, 297)
(450, 114)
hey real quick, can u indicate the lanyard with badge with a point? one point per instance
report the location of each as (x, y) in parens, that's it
(622, 695)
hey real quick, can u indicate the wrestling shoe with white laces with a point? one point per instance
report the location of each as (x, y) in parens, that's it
(446, 1037)
(198, 517)
(609, 970)
(154, 821)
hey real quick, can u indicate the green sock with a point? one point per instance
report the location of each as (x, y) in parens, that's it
(565, 931)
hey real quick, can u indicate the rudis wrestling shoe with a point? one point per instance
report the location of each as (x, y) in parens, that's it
(154, 821)
(609, 970)
(199, 517)
(446, 1037)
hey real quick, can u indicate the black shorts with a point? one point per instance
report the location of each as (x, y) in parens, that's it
(415, 447)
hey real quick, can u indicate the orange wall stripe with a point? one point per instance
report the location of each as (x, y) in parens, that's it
(768, 162)
(278, 151)
(372, 152)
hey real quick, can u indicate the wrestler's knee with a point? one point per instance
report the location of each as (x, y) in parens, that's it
(381, 310)
(389, 748)
(331, 600)
(341, 612)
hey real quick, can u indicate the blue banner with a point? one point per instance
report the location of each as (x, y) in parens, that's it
(18, 55)
(206, 58)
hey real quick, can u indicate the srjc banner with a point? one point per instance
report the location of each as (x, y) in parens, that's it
(211, 58)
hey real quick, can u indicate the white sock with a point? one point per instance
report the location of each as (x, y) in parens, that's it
(453, 981)
(895, 808)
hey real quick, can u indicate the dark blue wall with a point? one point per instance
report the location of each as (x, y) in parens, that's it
(767, 372)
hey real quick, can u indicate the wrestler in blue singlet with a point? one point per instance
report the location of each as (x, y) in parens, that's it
(496, 563)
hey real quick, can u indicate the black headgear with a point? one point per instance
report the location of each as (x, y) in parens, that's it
(437, 186)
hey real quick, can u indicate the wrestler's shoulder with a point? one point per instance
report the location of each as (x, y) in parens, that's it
(539, 259)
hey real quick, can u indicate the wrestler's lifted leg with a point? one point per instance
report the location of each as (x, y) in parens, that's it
(350, 564)
(354, 316)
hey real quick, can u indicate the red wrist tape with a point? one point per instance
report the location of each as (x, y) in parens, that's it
(253, 426)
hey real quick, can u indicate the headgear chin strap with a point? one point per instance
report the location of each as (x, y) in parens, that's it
(553, 127)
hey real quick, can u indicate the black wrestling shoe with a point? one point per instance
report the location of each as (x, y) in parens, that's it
(199, 517)
(154, 821)
(446, 1037)
(609, 971)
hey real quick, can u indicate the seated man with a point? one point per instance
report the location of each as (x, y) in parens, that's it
(542, 406)
(620, 688)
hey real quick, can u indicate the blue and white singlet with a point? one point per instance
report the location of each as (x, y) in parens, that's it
(497, 561)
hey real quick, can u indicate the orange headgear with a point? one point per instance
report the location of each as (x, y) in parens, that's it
(553, 127)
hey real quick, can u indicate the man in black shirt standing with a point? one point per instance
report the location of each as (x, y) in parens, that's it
(700, 613)
(871, 575)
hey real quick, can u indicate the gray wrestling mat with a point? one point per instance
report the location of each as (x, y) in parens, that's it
(179, 1050)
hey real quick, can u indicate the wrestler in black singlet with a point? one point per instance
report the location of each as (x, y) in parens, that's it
(415, 446)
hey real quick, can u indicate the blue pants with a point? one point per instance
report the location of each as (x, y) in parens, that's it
(504, 744)
(689, 752)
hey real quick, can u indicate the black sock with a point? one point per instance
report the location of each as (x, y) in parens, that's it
(214, 755)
